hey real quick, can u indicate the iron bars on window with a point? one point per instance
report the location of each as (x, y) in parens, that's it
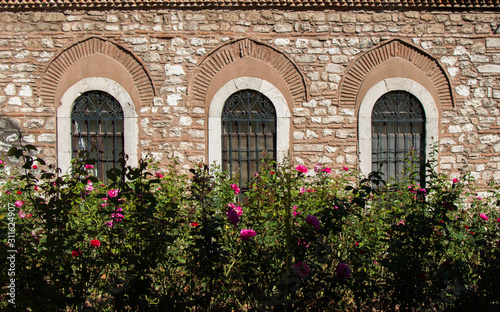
(248, 131)
(398, 130)
(97, 127)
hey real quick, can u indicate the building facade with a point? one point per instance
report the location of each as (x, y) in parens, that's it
(354, 84)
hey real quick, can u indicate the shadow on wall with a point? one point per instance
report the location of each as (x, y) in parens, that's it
(10, 135)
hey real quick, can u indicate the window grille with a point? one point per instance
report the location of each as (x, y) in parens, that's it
(248, 129)
(97, 127)
(398, 129)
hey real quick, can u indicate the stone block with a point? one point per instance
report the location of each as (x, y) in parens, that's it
(34, 123)
(334, 68)
(318, 86)
(47, 138)
(333, 119)
(185, 121)
(282, 41)
(15, 100)
(301, 112)
(348, 18)
(10, 89)
(344, 134)
(308, 147)
(311, 134)
(301, 43)
(199, 134)
(173, 99)
(298, 135)
(305, 58)
(381, 17)
(351, 159)
(283, 28)
(489, 69)
(311, 103)
(489, 139)
(492, 43)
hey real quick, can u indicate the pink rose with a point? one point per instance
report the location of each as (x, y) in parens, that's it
(19, 203)
(484, 217)
(239, 211)
(232, 216)
(327, 170)
(117, 216)
(158, 175)
(455, 181)
(235, 188)
(113, 193)
(313, 221)
(247, 233)
(89, 187)
(89, 167)
(301, 168)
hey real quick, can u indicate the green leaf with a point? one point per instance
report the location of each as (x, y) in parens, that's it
(12, 151)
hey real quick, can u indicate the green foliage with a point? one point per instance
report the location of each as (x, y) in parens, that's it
(152, 239)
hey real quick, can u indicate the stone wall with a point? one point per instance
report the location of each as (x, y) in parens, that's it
(322, 44)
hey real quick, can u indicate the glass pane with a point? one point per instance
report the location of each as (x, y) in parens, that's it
(251, 119)
(397, 130)
(97, 119)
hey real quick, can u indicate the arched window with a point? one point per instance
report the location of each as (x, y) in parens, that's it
(97, 127)
(248, 131)
(398, 129)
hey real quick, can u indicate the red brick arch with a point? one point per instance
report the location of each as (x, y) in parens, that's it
(246, 57)
(384, 62)
(94, 49)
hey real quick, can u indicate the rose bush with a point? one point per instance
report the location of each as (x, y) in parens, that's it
(298, 239)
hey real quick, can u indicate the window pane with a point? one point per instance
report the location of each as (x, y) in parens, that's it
(97, 120)
(249, 129)
(398, 121)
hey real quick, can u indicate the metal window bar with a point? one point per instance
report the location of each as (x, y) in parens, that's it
(248, 128)
(97, 126)
(398, 129)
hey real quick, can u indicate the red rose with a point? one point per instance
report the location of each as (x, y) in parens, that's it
(35, 167)
(76, 253)
(95, 243)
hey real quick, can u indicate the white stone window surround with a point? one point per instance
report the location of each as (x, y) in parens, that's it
(217, 106)
(365, 116)
(130, 127)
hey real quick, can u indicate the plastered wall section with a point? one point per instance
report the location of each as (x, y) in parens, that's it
(322, 44)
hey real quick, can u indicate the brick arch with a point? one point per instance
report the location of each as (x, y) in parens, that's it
(249, 58)
(394, 59)
(54, 84)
